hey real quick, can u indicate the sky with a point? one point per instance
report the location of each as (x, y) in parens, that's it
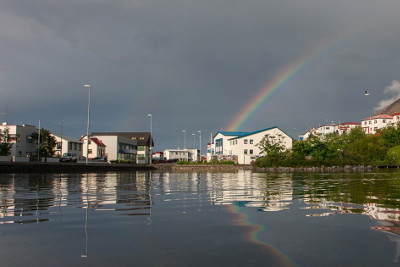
(195, 64)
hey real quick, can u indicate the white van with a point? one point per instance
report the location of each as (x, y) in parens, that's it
(69, 157)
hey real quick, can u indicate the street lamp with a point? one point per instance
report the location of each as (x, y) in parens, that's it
(200, 142)
(88, 122)
(151, 134)
(184, 139)
(194, 140)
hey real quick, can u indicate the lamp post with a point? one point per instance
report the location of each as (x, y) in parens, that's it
(200, 142)
(88, 122)
(151, 135)
(184, 139)
(194, 140)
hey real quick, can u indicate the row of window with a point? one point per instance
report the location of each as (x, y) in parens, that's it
(375, 122)
(245, 141)
(250, 151)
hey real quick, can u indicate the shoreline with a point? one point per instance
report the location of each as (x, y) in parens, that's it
(35, 167)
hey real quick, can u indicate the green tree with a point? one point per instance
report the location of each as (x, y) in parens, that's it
(47, 143)
(368, 150)
(391, 135)
(273, 150)
(5, 144)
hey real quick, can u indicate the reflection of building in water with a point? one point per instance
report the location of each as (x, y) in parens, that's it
(29, 198)
(241, 188)
(272, 194)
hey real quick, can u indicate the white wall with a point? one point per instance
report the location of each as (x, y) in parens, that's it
(22, 147)
(237, 147)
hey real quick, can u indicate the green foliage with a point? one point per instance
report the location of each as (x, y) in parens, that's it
(273, 150)
(393, 155)
(47, 143)
(353, 148)
(391, 135)
(5, 143)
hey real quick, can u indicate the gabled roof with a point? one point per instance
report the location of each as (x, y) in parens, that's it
(67, 138)
(350, 123)
(262, 130)
(142, 138)
(97, 141)
(229, 133)
(383, 116)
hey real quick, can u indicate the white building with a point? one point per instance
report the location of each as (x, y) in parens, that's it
(242, 146)
(67, 144)
(23, 143)
(372, 124)
(144, 143)
(96, 147)
(330, 128)
(118, 147)
(176, 154)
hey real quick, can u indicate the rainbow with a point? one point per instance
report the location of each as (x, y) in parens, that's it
(254, 234)
(278, 81)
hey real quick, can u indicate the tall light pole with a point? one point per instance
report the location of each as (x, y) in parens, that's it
(88, 122)
(184, 139)
(151, 134)
(200, 142)
(194, 140)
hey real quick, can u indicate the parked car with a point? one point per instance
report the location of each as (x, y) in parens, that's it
(69, 157)
(99, 159)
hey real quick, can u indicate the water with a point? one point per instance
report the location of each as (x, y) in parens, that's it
(200, 219)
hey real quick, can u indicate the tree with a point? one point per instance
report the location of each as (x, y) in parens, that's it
(391, 135)
(5, 144)
(273, 149)
(47, 143)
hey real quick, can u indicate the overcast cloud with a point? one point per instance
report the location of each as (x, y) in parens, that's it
(193, 64)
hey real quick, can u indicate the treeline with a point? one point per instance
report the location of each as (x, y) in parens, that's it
(353, 148)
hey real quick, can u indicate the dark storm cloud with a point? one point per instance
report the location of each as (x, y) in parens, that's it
(192, 64)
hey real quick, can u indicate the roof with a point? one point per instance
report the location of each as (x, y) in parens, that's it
(67, 138)
(383, 116)
(142, 138)
(350, 123)
(229, 133)
(97, 141)
(262, 130)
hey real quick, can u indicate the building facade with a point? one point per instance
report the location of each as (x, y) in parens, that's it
(144, 143)
(22, 139)
(242, 147)
(96, 147)
(118, 147)
(67, 144)
(372, 124)
(176, 154)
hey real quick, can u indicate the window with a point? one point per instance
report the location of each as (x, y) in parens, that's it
(141, 148)
(80, 147)
(59, 145)
(384, 121)
(14, 137)
(245, 151)
(251, 151)
(245, 141)
(251, 141)
(69, 146)
(375, 121)
(90, 151)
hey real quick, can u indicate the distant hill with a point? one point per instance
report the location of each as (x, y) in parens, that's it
(390, 109)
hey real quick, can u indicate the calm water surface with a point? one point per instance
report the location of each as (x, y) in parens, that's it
(200, 219)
